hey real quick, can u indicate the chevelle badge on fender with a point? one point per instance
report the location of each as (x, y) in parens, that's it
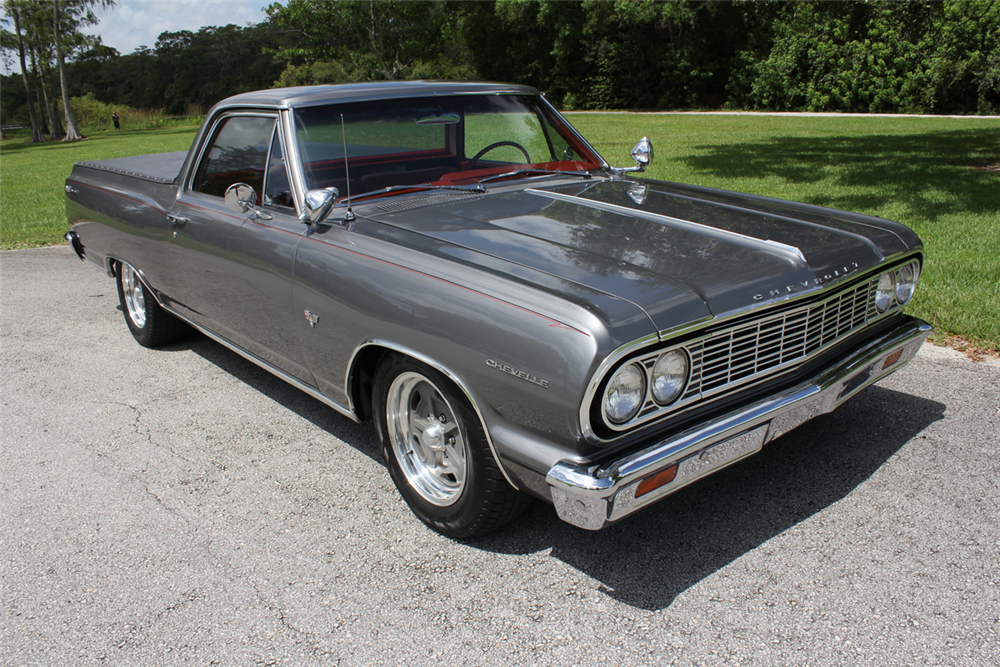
(455, 263)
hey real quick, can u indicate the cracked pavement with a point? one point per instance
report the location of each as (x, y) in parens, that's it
(182, 507)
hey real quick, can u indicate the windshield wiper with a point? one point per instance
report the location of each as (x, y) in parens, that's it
(536, 172)
(396, 188)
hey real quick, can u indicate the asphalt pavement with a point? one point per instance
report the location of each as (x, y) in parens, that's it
(181, 506)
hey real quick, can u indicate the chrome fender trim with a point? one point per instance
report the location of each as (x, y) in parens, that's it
(593, 496)
(441, 368)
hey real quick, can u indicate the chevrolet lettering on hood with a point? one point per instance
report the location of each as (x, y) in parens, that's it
(373, 243)
(807, 284)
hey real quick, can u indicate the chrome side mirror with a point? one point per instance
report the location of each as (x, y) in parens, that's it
(242, 198)
(317, 205)
(642, 153)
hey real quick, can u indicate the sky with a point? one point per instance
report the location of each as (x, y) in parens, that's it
(130, 24)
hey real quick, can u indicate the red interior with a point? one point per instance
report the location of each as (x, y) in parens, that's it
(437, 167)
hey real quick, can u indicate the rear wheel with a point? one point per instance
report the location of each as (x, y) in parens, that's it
(437, 453)
(149, 323)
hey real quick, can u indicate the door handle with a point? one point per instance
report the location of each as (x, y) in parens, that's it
(176, 222)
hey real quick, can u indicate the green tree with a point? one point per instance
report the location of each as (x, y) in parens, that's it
(68, 17)
(47, 32)
(621, 54)
(13, 9)
(354, 40)
(931, 57)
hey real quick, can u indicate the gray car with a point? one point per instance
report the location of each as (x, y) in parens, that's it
(518, 318)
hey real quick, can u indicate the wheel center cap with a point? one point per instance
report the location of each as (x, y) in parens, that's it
(433, 437)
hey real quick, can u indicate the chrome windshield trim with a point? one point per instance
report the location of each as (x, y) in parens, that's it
(293, 161)
(574, 132)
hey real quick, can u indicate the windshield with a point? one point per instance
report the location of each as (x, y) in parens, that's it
(437, 141)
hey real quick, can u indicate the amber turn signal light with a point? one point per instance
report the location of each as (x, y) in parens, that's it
(654, 482)
(892, 358)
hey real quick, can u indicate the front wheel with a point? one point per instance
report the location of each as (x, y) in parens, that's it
(149, 323)
(437, 453)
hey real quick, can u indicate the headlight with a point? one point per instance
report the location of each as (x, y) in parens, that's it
(670, 375)
(623, 397)
(906, 281)
(885, 291)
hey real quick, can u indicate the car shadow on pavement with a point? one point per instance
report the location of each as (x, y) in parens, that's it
(360, 436)
(650, 558)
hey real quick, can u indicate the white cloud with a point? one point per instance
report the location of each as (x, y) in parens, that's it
(134, 23)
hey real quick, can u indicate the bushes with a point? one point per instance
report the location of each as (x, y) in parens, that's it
(92, 115)
(875, 56)
(914, 57)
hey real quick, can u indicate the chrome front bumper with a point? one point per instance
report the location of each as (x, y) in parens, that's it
(592, 497)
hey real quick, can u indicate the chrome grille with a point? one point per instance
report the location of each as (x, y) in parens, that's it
(750, 349)
(725, 358)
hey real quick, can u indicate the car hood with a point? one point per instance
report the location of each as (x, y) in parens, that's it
(680, 253)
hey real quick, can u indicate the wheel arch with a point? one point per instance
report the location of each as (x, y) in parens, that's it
(361, 377)
(112, 263)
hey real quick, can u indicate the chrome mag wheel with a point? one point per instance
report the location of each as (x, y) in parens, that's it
(426, 439)
(149, 323)
(132, 292)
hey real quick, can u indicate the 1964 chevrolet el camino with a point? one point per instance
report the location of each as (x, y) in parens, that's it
(455, 263)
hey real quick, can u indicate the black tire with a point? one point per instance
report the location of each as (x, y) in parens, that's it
(149, 323)
(461, 493)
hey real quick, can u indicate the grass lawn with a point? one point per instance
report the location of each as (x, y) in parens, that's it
(914, 170)
(32, 204)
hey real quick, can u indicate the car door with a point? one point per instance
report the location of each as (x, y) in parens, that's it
(231, 273)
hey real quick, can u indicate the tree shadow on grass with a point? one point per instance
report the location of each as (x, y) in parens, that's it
(929, 174)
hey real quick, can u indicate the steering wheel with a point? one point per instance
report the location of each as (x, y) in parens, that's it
(498, 144)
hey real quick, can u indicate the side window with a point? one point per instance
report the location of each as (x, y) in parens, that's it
(238, 154)
(279, 191)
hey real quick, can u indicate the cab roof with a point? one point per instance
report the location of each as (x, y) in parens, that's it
(284, 98)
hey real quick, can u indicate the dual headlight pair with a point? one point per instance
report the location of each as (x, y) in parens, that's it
(667, 377)
(665, 380)
(896, 286)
